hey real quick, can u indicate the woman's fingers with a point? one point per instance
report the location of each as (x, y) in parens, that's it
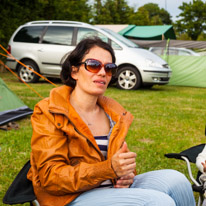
(123, 162)
(125, 181)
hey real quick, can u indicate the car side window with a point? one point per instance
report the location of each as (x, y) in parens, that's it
(61, 35)
(183, 53)
(158, 51)
(86, 32)
(173, 52)
(115, 46)
(30, 34)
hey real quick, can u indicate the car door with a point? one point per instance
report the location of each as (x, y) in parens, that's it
(56, 43)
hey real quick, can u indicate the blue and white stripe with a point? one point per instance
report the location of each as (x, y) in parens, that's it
(102, 142)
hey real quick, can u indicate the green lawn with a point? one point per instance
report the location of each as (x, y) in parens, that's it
(166, 119)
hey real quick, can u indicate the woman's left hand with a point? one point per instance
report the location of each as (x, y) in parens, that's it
(125, 181)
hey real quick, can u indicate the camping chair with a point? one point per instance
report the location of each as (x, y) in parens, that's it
(189, 156)
(21, 189)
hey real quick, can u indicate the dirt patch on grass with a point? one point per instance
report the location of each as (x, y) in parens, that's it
(145, 140)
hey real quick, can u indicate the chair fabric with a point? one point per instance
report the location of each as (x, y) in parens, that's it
(190, 153)
(21, 189)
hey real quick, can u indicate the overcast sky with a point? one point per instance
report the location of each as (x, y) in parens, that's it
(170, 5)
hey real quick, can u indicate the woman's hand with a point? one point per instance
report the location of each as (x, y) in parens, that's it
(125, 181)
(123, 162)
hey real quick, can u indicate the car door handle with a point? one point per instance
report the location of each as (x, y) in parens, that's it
(40, 50)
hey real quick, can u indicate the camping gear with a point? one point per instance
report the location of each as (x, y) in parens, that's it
(21, 189)
(11, 107)
(189, 156)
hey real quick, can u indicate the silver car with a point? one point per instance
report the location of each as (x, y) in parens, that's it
(173, 51)
(42, 44)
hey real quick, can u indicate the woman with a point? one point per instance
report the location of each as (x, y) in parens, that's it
(79, 154)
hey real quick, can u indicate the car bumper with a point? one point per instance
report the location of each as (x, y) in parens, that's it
(156, 77)
(11, 64)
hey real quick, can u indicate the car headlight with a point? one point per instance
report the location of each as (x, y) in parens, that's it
(151, 63)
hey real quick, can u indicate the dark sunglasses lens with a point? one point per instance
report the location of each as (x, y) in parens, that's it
(110, 68)
(93, 65)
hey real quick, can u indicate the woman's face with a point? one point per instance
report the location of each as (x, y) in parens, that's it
(93, 83)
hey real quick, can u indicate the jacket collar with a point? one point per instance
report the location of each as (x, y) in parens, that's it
(59, 104)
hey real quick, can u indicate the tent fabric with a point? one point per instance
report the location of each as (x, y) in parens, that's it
(149, 32)
(187, 70)
(11, 107)
(172, 43)
(127, 29)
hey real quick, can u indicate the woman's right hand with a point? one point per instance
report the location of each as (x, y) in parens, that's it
(123, 161)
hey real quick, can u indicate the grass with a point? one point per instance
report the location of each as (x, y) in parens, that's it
(166, 119)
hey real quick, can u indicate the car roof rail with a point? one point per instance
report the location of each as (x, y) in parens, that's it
(56, 22)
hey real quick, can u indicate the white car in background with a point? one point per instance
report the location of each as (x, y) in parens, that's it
(173, 51)
(42, 44)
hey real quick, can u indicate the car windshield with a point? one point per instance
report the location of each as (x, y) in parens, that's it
(122, 39)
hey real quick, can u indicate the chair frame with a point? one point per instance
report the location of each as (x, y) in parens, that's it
(189, 156)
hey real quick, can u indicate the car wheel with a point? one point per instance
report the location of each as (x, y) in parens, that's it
(27, 75)
(128, 78)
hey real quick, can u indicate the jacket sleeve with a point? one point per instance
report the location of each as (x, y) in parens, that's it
(50, 158)
(201, 158)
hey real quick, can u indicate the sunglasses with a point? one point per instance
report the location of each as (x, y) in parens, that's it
(94, 66)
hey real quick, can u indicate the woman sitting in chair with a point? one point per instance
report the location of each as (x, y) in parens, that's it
(79, 155)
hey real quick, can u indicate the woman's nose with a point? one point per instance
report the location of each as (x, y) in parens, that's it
(102, 71)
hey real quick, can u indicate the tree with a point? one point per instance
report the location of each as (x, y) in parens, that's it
(141, 17)
(101, 15)
(157, 16)
(111, 12)
(192, 19)
(17, 12)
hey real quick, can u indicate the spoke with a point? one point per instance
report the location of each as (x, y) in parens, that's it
(126, 85)
(132, 83)
(127, 73)
(29, 71)
(133, 77)
(122, 75)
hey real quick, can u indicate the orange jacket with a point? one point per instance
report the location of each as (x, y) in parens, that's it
(65, 158)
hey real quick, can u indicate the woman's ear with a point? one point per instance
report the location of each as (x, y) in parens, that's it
(74, 72)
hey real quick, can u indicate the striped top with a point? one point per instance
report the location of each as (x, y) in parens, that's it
(102, 142)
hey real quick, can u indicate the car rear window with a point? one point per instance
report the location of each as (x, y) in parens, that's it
(30, 34)
(58, 35)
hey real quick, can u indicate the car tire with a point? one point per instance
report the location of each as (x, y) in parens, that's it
(27, 75)
(128, 78)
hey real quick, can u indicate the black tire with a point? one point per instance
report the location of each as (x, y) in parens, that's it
(128, 78)
(27, 75)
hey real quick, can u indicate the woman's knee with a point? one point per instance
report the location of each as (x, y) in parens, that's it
(174, 178)
(167, 181)
(160, 180)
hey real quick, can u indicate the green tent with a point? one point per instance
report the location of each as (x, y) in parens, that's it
(187, 70)
(11, 107)
(159, 32)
